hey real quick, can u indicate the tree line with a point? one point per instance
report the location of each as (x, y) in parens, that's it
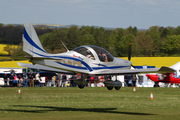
(156, 41)
(11, 34)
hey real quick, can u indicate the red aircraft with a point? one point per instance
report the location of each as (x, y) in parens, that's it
(166, 78)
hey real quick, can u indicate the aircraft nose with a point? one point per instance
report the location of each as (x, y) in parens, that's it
(130, 63)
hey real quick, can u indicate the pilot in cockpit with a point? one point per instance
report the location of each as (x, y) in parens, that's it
(102, 56)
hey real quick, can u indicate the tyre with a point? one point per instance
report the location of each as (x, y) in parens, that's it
(117, 88)
(109, 88)
(81, 86)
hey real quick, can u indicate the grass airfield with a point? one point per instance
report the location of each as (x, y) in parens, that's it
(44, 103)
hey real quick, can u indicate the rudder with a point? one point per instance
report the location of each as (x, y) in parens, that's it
(31, 42)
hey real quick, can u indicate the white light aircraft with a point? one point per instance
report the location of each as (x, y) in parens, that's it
(87, 59)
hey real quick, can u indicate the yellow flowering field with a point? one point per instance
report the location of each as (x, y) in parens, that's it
(154, 61)
(12, 63)
(137, 61)
(2, 52)
(5, 58)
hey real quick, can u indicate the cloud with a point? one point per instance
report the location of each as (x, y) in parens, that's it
(76, 1)
(150, 2)
(65, 1)
(154, 2)
(142, 2)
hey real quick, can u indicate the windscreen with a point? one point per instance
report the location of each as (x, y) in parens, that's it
(103, 55)
(84, 51)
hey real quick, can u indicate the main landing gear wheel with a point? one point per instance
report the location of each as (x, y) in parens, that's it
(156, 85)
(81, 86)
(117, 88)
(109, 88)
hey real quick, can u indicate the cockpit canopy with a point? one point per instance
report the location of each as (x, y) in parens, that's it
(95, 52)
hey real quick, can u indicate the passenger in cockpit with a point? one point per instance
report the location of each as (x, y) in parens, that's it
(89, 54)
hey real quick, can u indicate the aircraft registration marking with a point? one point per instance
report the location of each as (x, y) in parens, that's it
(70, 62)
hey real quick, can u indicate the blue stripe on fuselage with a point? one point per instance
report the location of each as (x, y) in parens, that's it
(112, 67)
(84, 63)
(72, 66)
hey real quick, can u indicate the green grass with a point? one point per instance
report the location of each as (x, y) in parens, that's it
(5, 58)
(89, 103)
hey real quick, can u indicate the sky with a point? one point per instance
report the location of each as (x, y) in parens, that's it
(104, 13)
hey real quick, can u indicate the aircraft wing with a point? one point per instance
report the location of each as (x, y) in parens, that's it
(44, 68)
(136, 71)
(104, 72)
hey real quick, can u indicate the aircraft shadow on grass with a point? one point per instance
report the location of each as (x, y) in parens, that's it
(51, 108)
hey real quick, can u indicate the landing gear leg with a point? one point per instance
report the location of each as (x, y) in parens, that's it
(81, 82)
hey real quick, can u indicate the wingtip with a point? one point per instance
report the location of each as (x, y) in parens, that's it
(167, 69)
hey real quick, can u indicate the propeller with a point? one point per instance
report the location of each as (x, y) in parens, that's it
(129, 54)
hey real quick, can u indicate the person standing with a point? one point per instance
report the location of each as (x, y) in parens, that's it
(5, 79)
(95, 80)
(29, 78)
(72, 81)
(64, 78)
(24, 77)
(37, 79)
(19, 80)
(58, 78)
(11, 77)
(33, 78)
(46, 81)
(88, 80)
(127, 79)
(49, 80)
(134, 80)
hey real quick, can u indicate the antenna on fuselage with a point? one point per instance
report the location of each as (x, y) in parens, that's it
(65, 46)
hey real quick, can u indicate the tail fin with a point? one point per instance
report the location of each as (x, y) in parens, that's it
(31, 42)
